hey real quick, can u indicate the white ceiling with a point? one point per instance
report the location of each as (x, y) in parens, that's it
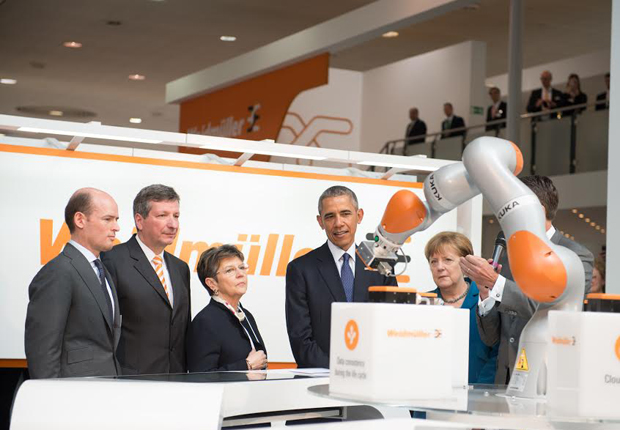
(167, 39)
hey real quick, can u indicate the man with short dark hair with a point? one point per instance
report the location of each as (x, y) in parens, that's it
(497, 110)
(72, 322)
(153, 287)
(503, 309)
(328, 274)
(452, 121)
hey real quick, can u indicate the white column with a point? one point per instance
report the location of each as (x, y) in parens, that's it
(514, 71)
(613, 170)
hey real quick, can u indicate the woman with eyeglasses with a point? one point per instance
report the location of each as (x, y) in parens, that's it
(224, 335)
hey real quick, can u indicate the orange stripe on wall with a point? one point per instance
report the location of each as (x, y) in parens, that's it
(16, 149)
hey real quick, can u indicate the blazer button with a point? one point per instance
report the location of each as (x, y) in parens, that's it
(512, 340)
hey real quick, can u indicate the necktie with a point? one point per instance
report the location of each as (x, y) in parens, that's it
(159, 269)
(346, 276)
(101, 271)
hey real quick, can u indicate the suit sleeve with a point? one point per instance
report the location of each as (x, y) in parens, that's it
(422, 127)
(514, 301)
(489, 327)
(204, 349)
(50, 302)
(587, 259)
(531, 104)
(305, 349)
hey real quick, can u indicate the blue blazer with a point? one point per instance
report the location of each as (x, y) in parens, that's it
(482, 358)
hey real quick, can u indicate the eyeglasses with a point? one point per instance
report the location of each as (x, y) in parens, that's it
(232, 270)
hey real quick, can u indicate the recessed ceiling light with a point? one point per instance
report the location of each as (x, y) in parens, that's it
(587, 220)
(390, 34)
(598, 227)
(491, 221)
(580, 215)
(137, 77)
(56, 113)
(228, 38)
(8, 81)
(135, 120)
(574, 211)
(592, 223)
(602, 230)
(72, 44)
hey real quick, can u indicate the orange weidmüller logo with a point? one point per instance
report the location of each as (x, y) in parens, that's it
(351, 335)
(618, 347)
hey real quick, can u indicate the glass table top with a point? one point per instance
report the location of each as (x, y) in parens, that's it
(215, 377)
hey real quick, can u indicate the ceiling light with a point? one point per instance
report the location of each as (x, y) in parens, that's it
(56, 113)
(593, 224)
(587, 220)
(598, 227)
(72, 44)
(137, 77)
(603, 230)
(580, 215)
(93, 135)
(135, 120)
(491, 221)
(8, 81)
(574, 211)
(390, 34)
(228, 38)
(572, 238)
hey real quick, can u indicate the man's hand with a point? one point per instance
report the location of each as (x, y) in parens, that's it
(480, 271)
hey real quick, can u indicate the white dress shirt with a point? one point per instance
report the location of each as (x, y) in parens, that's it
(149, 256)
(496, 293)
(338, 253)
(91, 260)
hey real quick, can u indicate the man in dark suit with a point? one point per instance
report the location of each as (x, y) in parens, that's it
(153, 287)
(328, 274)
(603, 98)
(546, 97)
(503, 310)
(451, 122)
(496, 111)
(415, 128)
(73, 322)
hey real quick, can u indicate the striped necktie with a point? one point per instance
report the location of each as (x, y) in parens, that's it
(159, 269)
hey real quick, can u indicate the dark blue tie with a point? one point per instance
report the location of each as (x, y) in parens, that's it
(101, 271)
(346, 276)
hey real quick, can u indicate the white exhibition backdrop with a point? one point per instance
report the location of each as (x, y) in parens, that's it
(216, 207)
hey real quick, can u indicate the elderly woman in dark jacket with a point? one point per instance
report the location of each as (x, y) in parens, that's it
(224, 335)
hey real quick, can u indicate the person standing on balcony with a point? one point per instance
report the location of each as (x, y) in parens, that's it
(497, 110)
(573, 95)
(451, 122)
(603, 98)
(545, 98)
(415, 128)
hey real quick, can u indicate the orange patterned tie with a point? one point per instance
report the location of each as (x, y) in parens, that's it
(159, 269)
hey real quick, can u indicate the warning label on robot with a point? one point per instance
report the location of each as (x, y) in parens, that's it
(522, 362)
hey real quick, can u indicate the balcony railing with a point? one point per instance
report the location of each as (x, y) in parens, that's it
(567, 140)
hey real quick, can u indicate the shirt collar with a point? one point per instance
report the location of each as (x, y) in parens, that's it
(147, 251)
(85, 252)
(550, 232)
(338, 252)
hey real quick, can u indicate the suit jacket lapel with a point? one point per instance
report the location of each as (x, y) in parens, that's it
(177, 283)
(363, 280)
(145, 268)
(329, 273)
(117, 314)
(86, 272)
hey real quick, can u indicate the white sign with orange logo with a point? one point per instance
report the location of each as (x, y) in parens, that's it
(584, 364)
(269, 214)
(395, 352)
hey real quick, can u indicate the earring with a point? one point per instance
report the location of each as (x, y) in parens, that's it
(216, 292)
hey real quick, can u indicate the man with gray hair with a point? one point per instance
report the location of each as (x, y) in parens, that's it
(153, 287)
(328, 274)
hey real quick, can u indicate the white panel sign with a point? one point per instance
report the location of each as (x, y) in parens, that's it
(270, 214)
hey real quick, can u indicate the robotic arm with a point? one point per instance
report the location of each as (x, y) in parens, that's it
(547, 273)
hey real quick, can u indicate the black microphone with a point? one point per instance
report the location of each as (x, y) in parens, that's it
(498, 251)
